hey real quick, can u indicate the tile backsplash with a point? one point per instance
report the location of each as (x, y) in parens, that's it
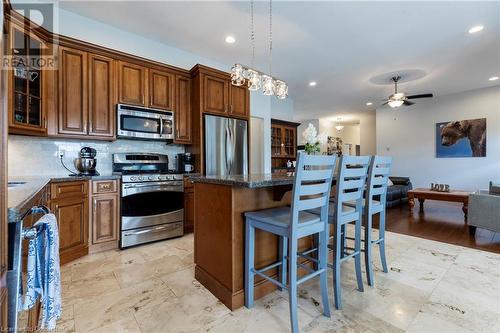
(31, 156)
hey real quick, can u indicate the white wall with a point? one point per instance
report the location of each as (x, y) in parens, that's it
(408, 135)
(367, 133)
(349, 134)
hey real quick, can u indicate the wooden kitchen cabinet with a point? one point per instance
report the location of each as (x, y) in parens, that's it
(240, 101)
(132, 84)
(183, 111)
(73, 98)
(69, 202)
(26, 114)
(105, 214)
(215, 94)
(101, 97)
(161, 90)
(188, 206)
(283, 142)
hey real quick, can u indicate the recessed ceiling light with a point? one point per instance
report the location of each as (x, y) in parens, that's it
(230, 39)
(369, 103)
(475, 29)
(312, 83)
(493, 78)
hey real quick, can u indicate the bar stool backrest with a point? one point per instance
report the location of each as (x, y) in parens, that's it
(378, 175)
(351, 181)
(312, 186)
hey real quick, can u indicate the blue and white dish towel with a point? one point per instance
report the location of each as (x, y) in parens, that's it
(44, 274)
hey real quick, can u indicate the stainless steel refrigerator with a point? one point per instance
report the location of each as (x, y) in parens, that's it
(226, 146)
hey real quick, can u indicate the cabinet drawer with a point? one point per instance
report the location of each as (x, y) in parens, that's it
(104, 186)
(68, 189)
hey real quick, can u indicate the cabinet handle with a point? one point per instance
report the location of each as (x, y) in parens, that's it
(150, 100)
(45, 122)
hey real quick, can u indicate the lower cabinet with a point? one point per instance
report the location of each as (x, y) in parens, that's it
(70, 205)
(188, 206)
(105, 215)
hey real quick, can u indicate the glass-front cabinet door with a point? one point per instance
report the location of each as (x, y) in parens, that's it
(276, 140)
(289, 142)
(26, 113)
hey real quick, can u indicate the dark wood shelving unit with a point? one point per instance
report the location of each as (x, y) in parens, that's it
(283, 144)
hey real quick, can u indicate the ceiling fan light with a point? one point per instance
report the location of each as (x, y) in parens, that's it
(395, 103)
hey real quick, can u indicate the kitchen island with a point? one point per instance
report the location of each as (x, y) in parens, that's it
(219, 232)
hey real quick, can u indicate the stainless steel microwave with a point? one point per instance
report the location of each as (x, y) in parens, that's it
(136, 122)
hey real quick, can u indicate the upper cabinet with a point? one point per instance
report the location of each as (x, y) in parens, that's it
(26, 115)
(132, 84)
(183, 111)
(215, 94)
(219, 96)
(73, 103)
(161, 90)
(240, 101)
(101, 96)
(86, 95)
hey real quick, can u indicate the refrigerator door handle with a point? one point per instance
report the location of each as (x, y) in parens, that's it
(228, 150)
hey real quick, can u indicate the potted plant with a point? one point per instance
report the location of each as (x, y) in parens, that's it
(313, 140)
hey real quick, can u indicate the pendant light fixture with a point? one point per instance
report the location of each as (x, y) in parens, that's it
(254, 79)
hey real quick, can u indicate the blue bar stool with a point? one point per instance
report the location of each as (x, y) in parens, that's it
(374, 203)
(311, 190)
(351, 179)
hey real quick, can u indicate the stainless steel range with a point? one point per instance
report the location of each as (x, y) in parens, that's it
(152, 198)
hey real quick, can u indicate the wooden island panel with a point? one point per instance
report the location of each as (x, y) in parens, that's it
(220, 239)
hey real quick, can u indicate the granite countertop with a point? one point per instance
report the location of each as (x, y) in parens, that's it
(250, 181)
(21, 194)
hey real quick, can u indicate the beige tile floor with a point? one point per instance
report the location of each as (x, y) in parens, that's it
(430, 287)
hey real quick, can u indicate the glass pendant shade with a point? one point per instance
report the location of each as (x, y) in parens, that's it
(395, 103)
(254, 80)
(281, 89)
(268, 85)
(237, 78)
(339, 127)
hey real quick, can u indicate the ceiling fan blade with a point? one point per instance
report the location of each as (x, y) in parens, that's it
(420, 96)
(408, 103)
(386, 102)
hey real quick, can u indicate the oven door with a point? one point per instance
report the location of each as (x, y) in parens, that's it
(145, 125)
(145, 205)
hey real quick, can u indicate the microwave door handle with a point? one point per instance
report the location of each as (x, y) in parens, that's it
(161, 126)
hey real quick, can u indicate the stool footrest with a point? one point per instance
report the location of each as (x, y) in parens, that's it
(304, 255)
(276, 282)
(276, 264)
(377, 241)
(310, 276)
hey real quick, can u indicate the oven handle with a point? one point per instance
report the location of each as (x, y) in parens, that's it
(128, 190)
(157, 229)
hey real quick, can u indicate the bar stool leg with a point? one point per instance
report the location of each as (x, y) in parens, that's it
(337, 240)
(249, 263)
(357, 258)
(381, 232)
(368, 249)
(283, 253)
(323, 264)
(292, 289)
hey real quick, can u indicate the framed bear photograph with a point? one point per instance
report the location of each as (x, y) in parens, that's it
(461, 138)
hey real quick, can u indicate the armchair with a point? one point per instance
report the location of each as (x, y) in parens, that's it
(484, 209)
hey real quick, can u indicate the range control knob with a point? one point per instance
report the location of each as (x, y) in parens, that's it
(159, 177)
(132, 178)
(150, 177)
(140, 177)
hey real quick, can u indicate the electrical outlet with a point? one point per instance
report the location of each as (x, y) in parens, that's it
(60, 153)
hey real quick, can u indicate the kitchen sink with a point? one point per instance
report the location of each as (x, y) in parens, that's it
(15, 184)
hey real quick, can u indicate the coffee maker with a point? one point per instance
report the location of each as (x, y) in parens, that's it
(185, 163)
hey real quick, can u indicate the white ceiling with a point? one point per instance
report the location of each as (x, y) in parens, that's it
(341, 45)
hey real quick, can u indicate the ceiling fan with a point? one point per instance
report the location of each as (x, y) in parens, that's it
(398, 98)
